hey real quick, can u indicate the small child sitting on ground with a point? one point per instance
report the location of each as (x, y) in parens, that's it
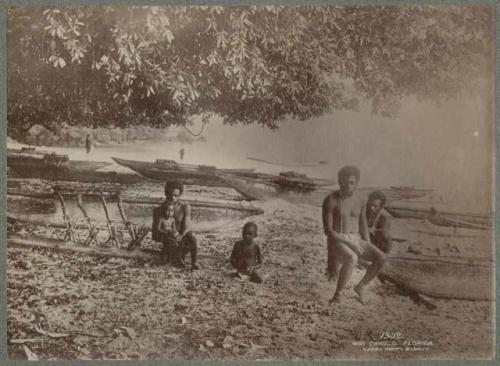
(246, 256)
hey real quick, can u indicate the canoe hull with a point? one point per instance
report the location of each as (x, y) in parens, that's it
(255, 189)
(454, 219)
(70, 175)
(155, 171)
(466, 280)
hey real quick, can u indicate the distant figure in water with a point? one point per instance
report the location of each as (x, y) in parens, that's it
(246, 257)
(88, 144)
(346, 228)
(181, 153)
(379, 221)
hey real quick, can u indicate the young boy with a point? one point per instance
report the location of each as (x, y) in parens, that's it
(168, 231)
(246, 256)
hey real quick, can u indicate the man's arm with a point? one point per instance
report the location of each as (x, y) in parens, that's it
(159, 226)
(363, 223)
(385, 232)
(259, 257)
(186, 220)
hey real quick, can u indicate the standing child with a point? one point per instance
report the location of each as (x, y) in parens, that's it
(246, 257)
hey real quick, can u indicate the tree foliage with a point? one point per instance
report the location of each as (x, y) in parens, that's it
(116, 66)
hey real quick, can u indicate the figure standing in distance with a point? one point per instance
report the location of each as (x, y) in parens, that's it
(88, 144)
(379, 221)
(246, 257)
(181, 153)
(346, 228)
(186, 241)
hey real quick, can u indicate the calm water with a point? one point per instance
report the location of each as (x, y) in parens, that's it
(388, 152)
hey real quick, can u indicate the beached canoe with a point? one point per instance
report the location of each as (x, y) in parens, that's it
(262, 190)
(29, 162)
(406, 192)
(460, 278)
(313, 194)
(189, 174)
(43, 208)
(441, 217)
(207, 175)
(72, 175)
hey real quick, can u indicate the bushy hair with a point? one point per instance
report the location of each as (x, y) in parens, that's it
(174, 184)
(250, 224)
(347, 172)
(377, 195)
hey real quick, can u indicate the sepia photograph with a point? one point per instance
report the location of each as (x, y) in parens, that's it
(250, 183)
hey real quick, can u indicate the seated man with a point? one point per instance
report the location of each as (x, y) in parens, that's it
(379, 221)
(345, 225)
(185, 241)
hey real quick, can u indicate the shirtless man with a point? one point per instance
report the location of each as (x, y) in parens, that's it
(379, 221)
(186, 241)
(346, 228)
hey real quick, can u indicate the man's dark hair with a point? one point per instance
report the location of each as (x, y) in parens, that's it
(174, 184)
(348, 171)
(377, 195)
(250, 224)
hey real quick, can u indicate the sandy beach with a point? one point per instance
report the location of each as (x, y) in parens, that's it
(73, 306)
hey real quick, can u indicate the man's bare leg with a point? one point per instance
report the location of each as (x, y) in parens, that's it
(347, 259)
(377, 257)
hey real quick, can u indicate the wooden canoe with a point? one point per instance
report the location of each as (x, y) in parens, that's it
(259, 189)
(441, 218)
(161, 170)
(411, 192)
(465, 279)
(37, 164)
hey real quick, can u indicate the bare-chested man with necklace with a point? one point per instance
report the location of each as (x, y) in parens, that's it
(346, 228)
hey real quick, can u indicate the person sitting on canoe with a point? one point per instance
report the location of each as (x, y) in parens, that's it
(345, 225)
(379, 221)
(186, 240)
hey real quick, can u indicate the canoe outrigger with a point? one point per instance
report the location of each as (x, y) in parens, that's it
(293, 189)
(162, 169)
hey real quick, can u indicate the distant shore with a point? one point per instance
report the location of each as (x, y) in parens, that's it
(76, 136)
